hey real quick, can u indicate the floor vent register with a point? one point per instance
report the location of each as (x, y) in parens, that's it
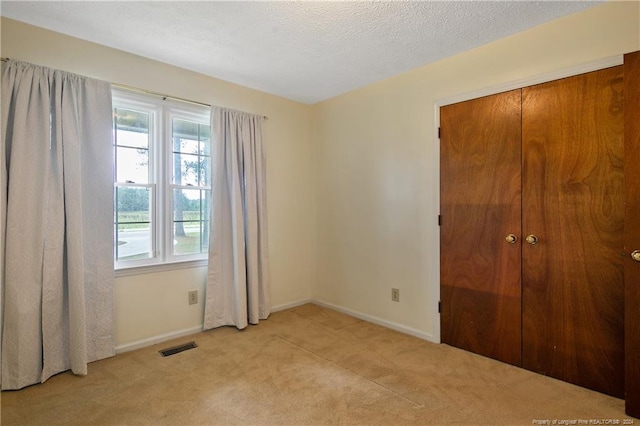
(177, 349)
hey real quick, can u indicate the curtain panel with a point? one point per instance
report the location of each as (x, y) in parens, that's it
(57, 200)
(237, 289)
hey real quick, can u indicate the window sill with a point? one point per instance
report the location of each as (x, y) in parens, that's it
(163, 267)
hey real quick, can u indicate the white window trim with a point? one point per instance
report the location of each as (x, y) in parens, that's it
(188, 115)
(159, 267)
(163, 110)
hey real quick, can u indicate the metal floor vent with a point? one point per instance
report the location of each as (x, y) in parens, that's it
(177, 349)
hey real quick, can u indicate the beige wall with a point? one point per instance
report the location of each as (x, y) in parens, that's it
(156, 304)
(352, 182)
(377, 162)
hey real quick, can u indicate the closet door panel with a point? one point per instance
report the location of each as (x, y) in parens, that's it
(632, 231)
(480, 150)
(573, 203)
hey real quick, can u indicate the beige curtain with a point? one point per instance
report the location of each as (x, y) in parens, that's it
(237, 291)
(57, 189)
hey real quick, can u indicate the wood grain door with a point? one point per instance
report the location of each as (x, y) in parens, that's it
(480, 152)
(632, 231)
(573, 203)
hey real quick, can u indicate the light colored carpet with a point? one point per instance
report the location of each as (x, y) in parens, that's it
(306, 365)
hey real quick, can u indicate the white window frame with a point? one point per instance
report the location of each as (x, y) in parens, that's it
(161, 114)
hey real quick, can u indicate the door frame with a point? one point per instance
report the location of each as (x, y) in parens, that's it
(586, 67)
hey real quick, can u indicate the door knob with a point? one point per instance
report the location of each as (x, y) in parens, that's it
(635, 255)
(532, 239)
(511, 239)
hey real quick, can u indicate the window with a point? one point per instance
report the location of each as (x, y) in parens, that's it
(162, 180)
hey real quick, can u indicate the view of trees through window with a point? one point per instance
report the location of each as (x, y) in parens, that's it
(134, 220)
(191, 165)
(162, 188)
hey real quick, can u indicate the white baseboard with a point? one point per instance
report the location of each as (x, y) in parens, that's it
(139, 344)
(290, 305)
(379, 321)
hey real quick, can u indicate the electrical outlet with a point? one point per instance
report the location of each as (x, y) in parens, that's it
(193, 297)
(395, 294)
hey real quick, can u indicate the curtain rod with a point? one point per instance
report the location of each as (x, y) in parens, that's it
(150, 92)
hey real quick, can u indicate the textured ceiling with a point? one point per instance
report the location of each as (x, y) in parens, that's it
(305, 51)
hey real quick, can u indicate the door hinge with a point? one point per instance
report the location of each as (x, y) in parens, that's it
(439, 133)
(439, 220)
(439, 306)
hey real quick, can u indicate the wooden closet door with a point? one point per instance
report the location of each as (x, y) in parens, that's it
(632, 231)
(573, 203)
(480, 205)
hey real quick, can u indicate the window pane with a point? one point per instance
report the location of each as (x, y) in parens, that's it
(205, 207)
(205, 140)
(190, 221)
(186, 169)
(189, 169)
(192, 243)
(133, 225)
(134, 242)
(133, 204)
(132, 128)
(191, 147)
(205, 152)
(186, 204)
(185, 137)
(133, 165)
(205, 171)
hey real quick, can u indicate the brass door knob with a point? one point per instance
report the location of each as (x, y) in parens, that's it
(532, 239)
(635, 255)
(511, 239)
